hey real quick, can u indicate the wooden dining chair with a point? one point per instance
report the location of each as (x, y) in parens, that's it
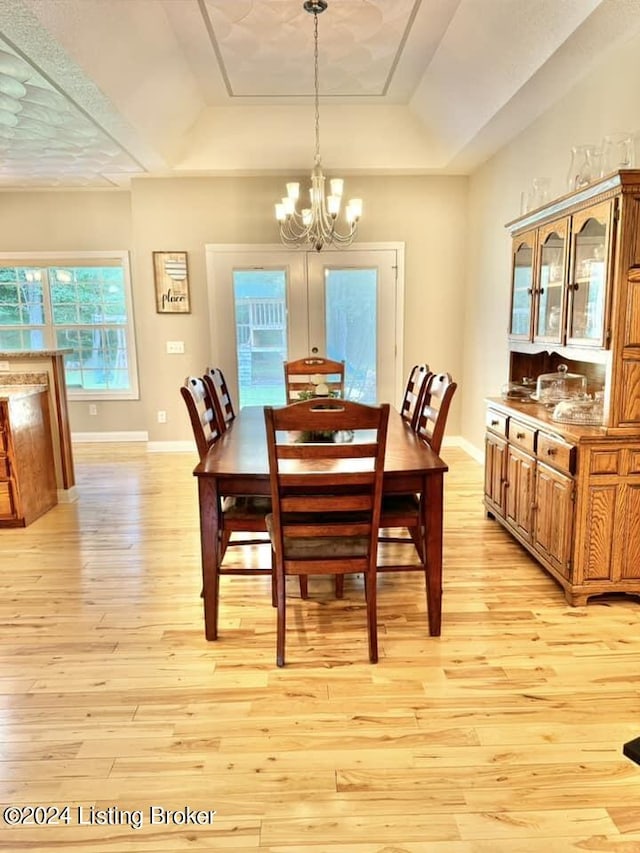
(413, 393)
(404, 511)
(326, 497)
(236, 514)
(299, 373)
(206, 423)
(218, 390)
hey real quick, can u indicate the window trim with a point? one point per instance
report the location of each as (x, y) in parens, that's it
(76, 259)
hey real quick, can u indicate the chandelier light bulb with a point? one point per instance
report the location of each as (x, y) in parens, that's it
(317, 225)
(333, 205)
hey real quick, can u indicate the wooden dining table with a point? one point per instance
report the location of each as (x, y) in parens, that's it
(237, 464)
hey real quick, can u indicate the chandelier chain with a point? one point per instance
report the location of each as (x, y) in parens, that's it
(316, 84)
(317, 224)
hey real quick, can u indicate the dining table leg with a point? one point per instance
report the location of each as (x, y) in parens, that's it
(432, 518)
(210, 553)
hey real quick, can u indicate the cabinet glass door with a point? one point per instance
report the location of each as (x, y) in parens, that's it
(589, 261)
(550, 290)
(522, 287)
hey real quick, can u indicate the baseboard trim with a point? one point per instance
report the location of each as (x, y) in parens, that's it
(68, 496)
(88, 437)
(467, 446)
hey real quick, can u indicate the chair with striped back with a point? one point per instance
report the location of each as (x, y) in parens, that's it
(236, 514)
(299, 376)
(434, 409)
(404, 511)
(413, 393)
(219, 391)
(205, 421)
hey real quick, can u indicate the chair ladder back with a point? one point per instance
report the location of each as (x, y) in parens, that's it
(432, 418)
(204, 419)
(299, 373)
(414, 393)
(218, 388)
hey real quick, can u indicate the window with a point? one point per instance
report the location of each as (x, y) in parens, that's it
(81, 303)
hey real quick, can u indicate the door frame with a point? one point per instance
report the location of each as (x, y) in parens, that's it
(212, 249)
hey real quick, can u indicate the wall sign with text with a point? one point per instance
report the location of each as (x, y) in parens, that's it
(172, 282)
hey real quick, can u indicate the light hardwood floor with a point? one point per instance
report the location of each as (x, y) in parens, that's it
(504, 734)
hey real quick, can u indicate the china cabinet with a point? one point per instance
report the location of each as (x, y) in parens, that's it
(559, 279)
(570, 493)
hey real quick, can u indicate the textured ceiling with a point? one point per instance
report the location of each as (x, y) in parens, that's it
(93, 92)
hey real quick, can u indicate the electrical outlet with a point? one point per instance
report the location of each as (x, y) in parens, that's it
(93, 409)
(5, 367)
(175, 347)
(162, 417)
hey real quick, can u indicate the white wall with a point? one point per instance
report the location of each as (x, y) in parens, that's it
(604, 102)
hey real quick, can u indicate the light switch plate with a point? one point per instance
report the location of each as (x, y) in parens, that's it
(5, 367)
(174, 347)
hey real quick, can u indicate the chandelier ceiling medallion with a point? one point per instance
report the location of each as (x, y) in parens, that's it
(317, 225)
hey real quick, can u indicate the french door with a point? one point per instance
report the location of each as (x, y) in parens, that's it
(268, 304)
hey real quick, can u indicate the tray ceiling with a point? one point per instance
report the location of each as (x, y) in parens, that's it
(93, 92)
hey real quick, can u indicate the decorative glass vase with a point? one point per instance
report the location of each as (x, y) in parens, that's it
(617, 152)
(585, 166)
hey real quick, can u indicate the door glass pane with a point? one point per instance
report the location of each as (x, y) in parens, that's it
(261, 335)
(351, 328)
(587, 307)
(551, 285)
(522, 288)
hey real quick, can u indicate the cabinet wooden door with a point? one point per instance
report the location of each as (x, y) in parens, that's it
(495, 455)
(519, 491)
(591, 237)
(520, 327)
(554, 518)
(551, 280)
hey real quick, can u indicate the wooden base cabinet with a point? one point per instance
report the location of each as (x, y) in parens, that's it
(553, 508)
(572, 499)
(611, 499)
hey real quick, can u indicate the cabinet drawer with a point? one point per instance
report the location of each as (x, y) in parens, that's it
(522, 435)
(556, 453)
(496, 422)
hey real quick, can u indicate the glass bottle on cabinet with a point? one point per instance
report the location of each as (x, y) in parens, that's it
(587, 288)
(550, 286)
(522, 287)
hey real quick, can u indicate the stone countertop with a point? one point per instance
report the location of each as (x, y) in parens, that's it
(33, 353)
(23, 379)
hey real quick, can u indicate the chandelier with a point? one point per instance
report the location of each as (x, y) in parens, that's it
(317, 225)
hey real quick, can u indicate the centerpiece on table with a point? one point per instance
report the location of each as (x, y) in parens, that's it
(320, 390)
